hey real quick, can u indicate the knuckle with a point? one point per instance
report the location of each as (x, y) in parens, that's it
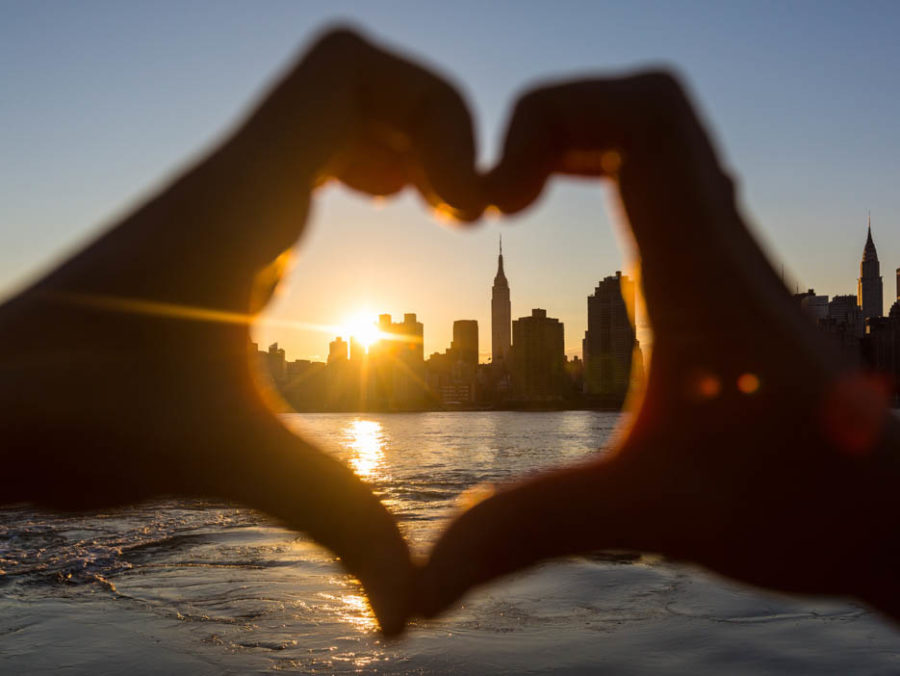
(662, 85)
(445, 97)
(337, 43)
(530, 104)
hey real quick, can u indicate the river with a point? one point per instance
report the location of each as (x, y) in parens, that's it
(193, 587)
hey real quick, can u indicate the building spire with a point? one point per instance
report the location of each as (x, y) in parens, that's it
(869, 251)
(501, 238)
(501, 277)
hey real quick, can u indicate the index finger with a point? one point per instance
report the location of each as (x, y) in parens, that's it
(399, 110)
(641, 131)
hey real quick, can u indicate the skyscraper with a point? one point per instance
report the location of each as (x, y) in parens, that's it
(396, 364)
(538, 357)
(870, 289)
(337, 350)
(609, 342)
(465, 341)
(500, 314)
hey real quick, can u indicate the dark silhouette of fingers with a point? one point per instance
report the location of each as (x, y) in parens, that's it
(572, 511)
(311, 492)
(414, 121)
(642, 132)
(348, 110)
(413, 113)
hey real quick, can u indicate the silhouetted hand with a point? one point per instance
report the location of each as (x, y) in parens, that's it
(125, 372)
(755, 451)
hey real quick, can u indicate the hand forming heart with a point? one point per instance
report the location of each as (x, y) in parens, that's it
(103, 407)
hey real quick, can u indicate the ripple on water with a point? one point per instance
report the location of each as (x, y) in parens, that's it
(199, 587)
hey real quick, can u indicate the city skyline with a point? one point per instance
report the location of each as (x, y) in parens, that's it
(364, 327)
(800, 100)
(382, 366)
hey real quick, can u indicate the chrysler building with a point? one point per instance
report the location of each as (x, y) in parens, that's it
(869, 289)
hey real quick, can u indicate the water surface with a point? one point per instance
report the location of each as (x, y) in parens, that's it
(192, 587)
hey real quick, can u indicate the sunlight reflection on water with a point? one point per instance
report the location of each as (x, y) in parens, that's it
(365, 439)
(203, 588)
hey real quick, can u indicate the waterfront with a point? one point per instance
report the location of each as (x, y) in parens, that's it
(196, 587)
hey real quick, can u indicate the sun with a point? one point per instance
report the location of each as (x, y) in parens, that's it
(361, 326)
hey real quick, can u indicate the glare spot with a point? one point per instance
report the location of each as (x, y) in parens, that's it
(492, 213)
(471, 497)
(748, 383)
(611, 162)
(362, 327)
(708, 386)
(444, 213)
(856, 412)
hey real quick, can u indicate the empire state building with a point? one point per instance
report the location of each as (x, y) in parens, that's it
(500, 314)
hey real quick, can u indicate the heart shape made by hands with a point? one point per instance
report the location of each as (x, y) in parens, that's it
(133, 352)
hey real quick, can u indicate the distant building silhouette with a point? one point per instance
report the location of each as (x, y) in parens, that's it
(898, 284)
(845, 312)
(881, 345)
(869, 293)
(609, 343)
(453, 374)
(276, 363)
(815, 307)
(465, 341)
(397, 365)
(337, 350)
(538, 358)
(501, 314)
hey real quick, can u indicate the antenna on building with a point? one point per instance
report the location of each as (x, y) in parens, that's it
(501, 243)
(869, 213)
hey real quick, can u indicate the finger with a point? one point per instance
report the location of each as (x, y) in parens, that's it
(416, 116)
(642, 132)
(348, 108)
(577, 510)
(375, 169)
(314, 493)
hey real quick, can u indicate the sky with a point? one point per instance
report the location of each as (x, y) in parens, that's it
(104, 102)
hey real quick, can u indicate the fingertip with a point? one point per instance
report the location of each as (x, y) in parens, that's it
(389, 588)
(426, 601)
(509, 194)
(339, 35)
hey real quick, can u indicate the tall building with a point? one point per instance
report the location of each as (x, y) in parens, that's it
(538, 357)
(845, 313)
(397, 365)
(275, 360)
(609, 342)
(501, 314)
(870, 289)
(465, 341)
(337, 350)
(815, 307)
(898, 283)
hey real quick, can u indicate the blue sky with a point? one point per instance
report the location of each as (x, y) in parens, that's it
(102, 101)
